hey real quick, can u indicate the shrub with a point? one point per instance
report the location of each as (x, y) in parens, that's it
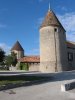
(24, 66)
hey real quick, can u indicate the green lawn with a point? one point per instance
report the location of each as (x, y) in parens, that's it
(5, 82)
(18, 79)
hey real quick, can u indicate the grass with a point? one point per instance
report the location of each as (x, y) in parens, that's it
(5, 82)
(18, 79)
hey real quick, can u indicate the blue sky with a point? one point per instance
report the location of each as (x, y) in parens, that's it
(20, 20)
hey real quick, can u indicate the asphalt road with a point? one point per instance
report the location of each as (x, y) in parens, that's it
(8, 73)
(59, 76)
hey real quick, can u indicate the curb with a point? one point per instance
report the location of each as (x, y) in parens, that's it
(68, 86)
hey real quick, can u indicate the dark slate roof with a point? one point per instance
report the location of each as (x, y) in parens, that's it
(51, 20)
(17, 47)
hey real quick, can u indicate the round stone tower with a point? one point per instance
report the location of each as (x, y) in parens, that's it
(53, 50)
(17, 49)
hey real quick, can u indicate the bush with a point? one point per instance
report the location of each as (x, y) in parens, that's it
(24, 66)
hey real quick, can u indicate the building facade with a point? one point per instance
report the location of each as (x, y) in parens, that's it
(71, 55)
(18, 50)
(53, 50)
(56, 53)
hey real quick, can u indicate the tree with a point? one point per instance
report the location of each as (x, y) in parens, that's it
(8, 60)
(2, 55)
(11, 59)
(14, 59)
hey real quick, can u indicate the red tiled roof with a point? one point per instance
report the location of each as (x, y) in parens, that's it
(51, 19)
(17, 46)
(30, 59)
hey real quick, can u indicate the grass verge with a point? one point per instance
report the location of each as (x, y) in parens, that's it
(18, 79)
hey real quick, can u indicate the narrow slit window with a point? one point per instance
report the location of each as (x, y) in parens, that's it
(55, 29)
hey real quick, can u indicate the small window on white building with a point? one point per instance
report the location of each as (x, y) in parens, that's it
(70, 56)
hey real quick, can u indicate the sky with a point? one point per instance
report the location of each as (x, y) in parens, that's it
(21, 19)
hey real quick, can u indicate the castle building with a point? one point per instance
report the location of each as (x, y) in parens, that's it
(56, 53)
(18, 50)
(53, 49)
(32, 61)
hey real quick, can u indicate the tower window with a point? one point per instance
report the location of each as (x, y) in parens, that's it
(55, 29)
(70, 56)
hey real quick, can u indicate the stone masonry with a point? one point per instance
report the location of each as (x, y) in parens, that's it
(53, 50)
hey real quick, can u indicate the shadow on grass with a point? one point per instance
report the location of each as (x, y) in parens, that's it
(24, 81)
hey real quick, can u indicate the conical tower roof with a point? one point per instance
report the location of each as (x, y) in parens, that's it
(17, 47)
(51, 20)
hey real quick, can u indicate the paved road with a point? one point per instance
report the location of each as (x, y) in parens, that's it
(46, 91)
(8, 73)
(59, 76)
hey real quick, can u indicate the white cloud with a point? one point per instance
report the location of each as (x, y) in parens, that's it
(5, 47)
(68, 21)
(71, 37)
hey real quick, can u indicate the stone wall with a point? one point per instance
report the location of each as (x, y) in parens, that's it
(20, 54)
(53, 50)
(72, 62)
(12, 68)
(34, 66)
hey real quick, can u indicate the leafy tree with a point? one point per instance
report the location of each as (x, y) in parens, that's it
(8, 60)
(11, 59)
(2, 55)
(24, 66)
(14, 59)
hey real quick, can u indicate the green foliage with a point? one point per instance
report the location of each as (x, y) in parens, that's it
(24, 66)
(14, 59)
(8, 60)
(11, 59)
(21, 77)
(5, 80)
(2, 56)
